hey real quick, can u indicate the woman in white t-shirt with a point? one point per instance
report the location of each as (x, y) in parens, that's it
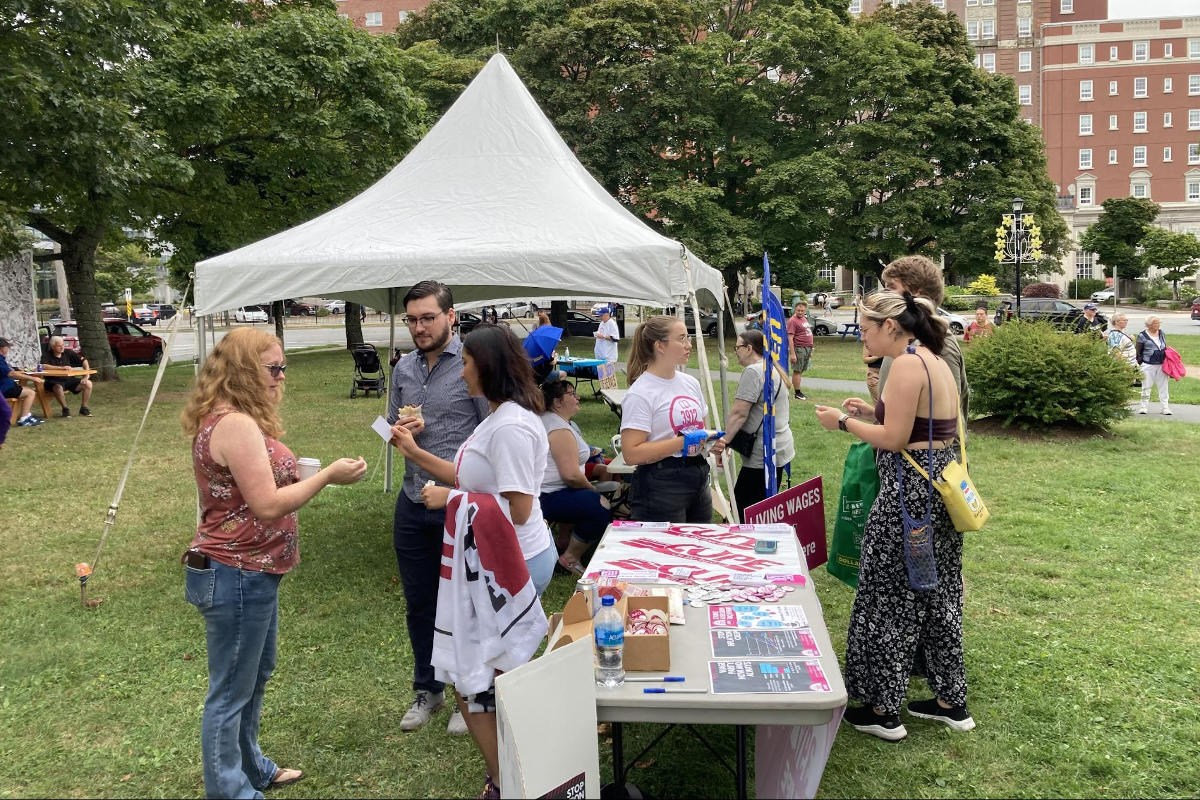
(506, 456)
(662, 421)
(568, 494)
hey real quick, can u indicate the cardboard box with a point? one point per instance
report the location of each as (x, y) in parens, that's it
(646, 653)
(641, 653)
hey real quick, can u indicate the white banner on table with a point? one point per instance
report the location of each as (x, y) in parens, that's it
(660, 552)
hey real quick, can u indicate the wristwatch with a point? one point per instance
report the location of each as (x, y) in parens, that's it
(842, 421)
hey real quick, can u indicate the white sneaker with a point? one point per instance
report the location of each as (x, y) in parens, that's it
(1167, 412)
(1143, 410)
(425, 705)
(457, 726)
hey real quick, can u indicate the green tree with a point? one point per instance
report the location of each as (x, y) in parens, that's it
(123, 264)
(1177, 253)
(1117, 235)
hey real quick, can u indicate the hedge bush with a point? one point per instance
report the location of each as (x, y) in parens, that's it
(1041, 290)
(1084, 287)
(1034, 376)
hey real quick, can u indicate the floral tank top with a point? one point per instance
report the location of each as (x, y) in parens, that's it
(228, 532)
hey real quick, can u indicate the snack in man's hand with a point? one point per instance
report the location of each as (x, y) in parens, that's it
(409, 411)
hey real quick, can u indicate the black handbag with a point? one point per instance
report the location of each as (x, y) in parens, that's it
(743, 441)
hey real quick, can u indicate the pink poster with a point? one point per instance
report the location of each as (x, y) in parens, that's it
(802, 507)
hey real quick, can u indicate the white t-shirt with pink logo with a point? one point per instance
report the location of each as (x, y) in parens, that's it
(663, 408)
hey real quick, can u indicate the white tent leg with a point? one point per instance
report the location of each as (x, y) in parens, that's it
(387, 468)
(725, 505)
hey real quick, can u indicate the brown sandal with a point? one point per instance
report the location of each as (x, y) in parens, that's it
(284, 776)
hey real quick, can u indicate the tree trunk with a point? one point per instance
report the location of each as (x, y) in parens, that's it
(277, 313)
(79, 264)
(354, 335)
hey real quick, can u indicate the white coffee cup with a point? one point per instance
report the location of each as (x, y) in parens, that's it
(307, 467)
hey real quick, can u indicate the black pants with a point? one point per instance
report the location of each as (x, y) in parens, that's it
(750, 488)
(672, 490)
(417, 536)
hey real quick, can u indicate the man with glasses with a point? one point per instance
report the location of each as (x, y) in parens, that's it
(430, 378)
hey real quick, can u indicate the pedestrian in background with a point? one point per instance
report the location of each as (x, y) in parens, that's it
(1150, 350)
(1120, 344)
(981, 327)
(801, 335)
(1090, 322)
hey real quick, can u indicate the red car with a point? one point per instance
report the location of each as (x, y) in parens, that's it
(1196, 308)
(129, 342)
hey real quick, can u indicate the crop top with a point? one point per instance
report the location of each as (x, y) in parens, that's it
(943, 429)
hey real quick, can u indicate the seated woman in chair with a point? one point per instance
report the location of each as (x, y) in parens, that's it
(567, 494)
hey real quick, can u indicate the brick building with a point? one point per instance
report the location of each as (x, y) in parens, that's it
(378, 16)
(1118, 102)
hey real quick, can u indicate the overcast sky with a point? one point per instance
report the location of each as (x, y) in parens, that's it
(1132, 9)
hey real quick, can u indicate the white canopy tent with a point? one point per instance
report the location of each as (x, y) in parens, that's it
(491, 202)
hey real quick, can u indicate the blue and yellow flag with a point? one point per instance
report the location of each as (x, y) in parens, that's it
(775, 352)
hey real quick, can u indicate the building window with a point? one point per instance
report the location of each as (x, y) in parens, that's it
(1140, 88)
(1112, 88)
(1112, 122)
(1166, 155)
(1112, 54)
(1085, 195)
(939, 4)
(855, 6)
(1025, 94)
(1194, 119)
(1024, 60)
(1139, 156)
(1139, 122)
(1087, 52)
(1194, 48)
(374, 19)
(972, 29)
(1193, 84)
(1166, 119)
(1024, 26)
(987, 2)
(1085, 158)
(1194, 153)
(989, 62)
(1112, 156)
(1085, 264)
(987, 29)
(343, 16)
(1167, 50)
(1066, 6)
(404, 15)
(1141, 51)
(1193, 191)
(1085, 124)
(1140, 190)
(1085, 90)
(1168, 85)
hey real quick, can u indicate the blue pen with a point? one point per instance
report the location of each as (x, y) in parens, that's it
(660, 690)
(663, 679)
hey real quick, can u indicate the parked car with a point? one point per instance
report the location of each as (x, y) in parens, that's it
(514, 310)
(249, 314)
(466, 321)
(162, 310)
(1196, 308)
(145, 315)
(957, 323)
(1058, 313)
(130, 344)
(294, 308)
(1102, 296)
(818, 300)
(111, 310)
(581, 324)
(336, 306)
(821, 326)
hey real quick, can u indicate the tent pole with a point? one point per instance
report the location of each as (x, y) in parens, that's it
(723, 360)
(387, 469)
(726, 507)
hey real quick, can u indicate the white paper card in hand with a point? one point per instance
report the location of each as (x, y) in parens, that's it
(381, 427)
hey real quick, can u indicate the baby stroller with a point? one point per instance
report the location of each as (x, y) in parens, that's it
(369, 375)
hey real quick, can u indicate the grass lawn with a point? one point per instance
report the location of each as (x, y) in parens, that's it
(1081, 639)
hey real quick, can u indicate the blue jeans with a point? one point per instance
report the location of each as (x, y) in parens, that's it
(580, 506)
(541, 568)
(241, 617)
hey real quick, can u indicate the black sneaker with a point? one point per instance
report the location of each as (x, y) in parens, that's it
(66, 411)
(800, 396)
(957, 718)
(84, 411)
(886, 727)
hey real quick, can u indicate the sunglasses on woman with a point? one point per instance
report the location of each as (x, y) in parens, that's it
(276, 369)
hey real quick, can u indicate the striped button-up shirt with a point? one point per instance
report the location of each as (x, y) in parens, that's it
(450, 413)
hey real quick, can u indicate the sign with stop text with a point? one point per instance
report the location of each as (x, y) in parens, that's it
(802, 507)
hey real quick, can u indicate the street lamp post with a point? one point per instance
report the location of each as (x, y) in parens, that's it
(1018, 239)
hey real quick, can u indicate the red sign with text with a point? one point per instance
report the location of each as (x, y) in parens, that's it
(802, 507)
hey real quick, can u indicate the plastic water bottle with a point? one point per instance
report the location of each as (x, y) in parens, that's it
(566, 352)
(610, 642)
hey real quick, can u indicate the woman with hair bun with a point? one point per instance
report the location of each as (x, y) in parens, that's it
(662, 427)
(896, 631)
